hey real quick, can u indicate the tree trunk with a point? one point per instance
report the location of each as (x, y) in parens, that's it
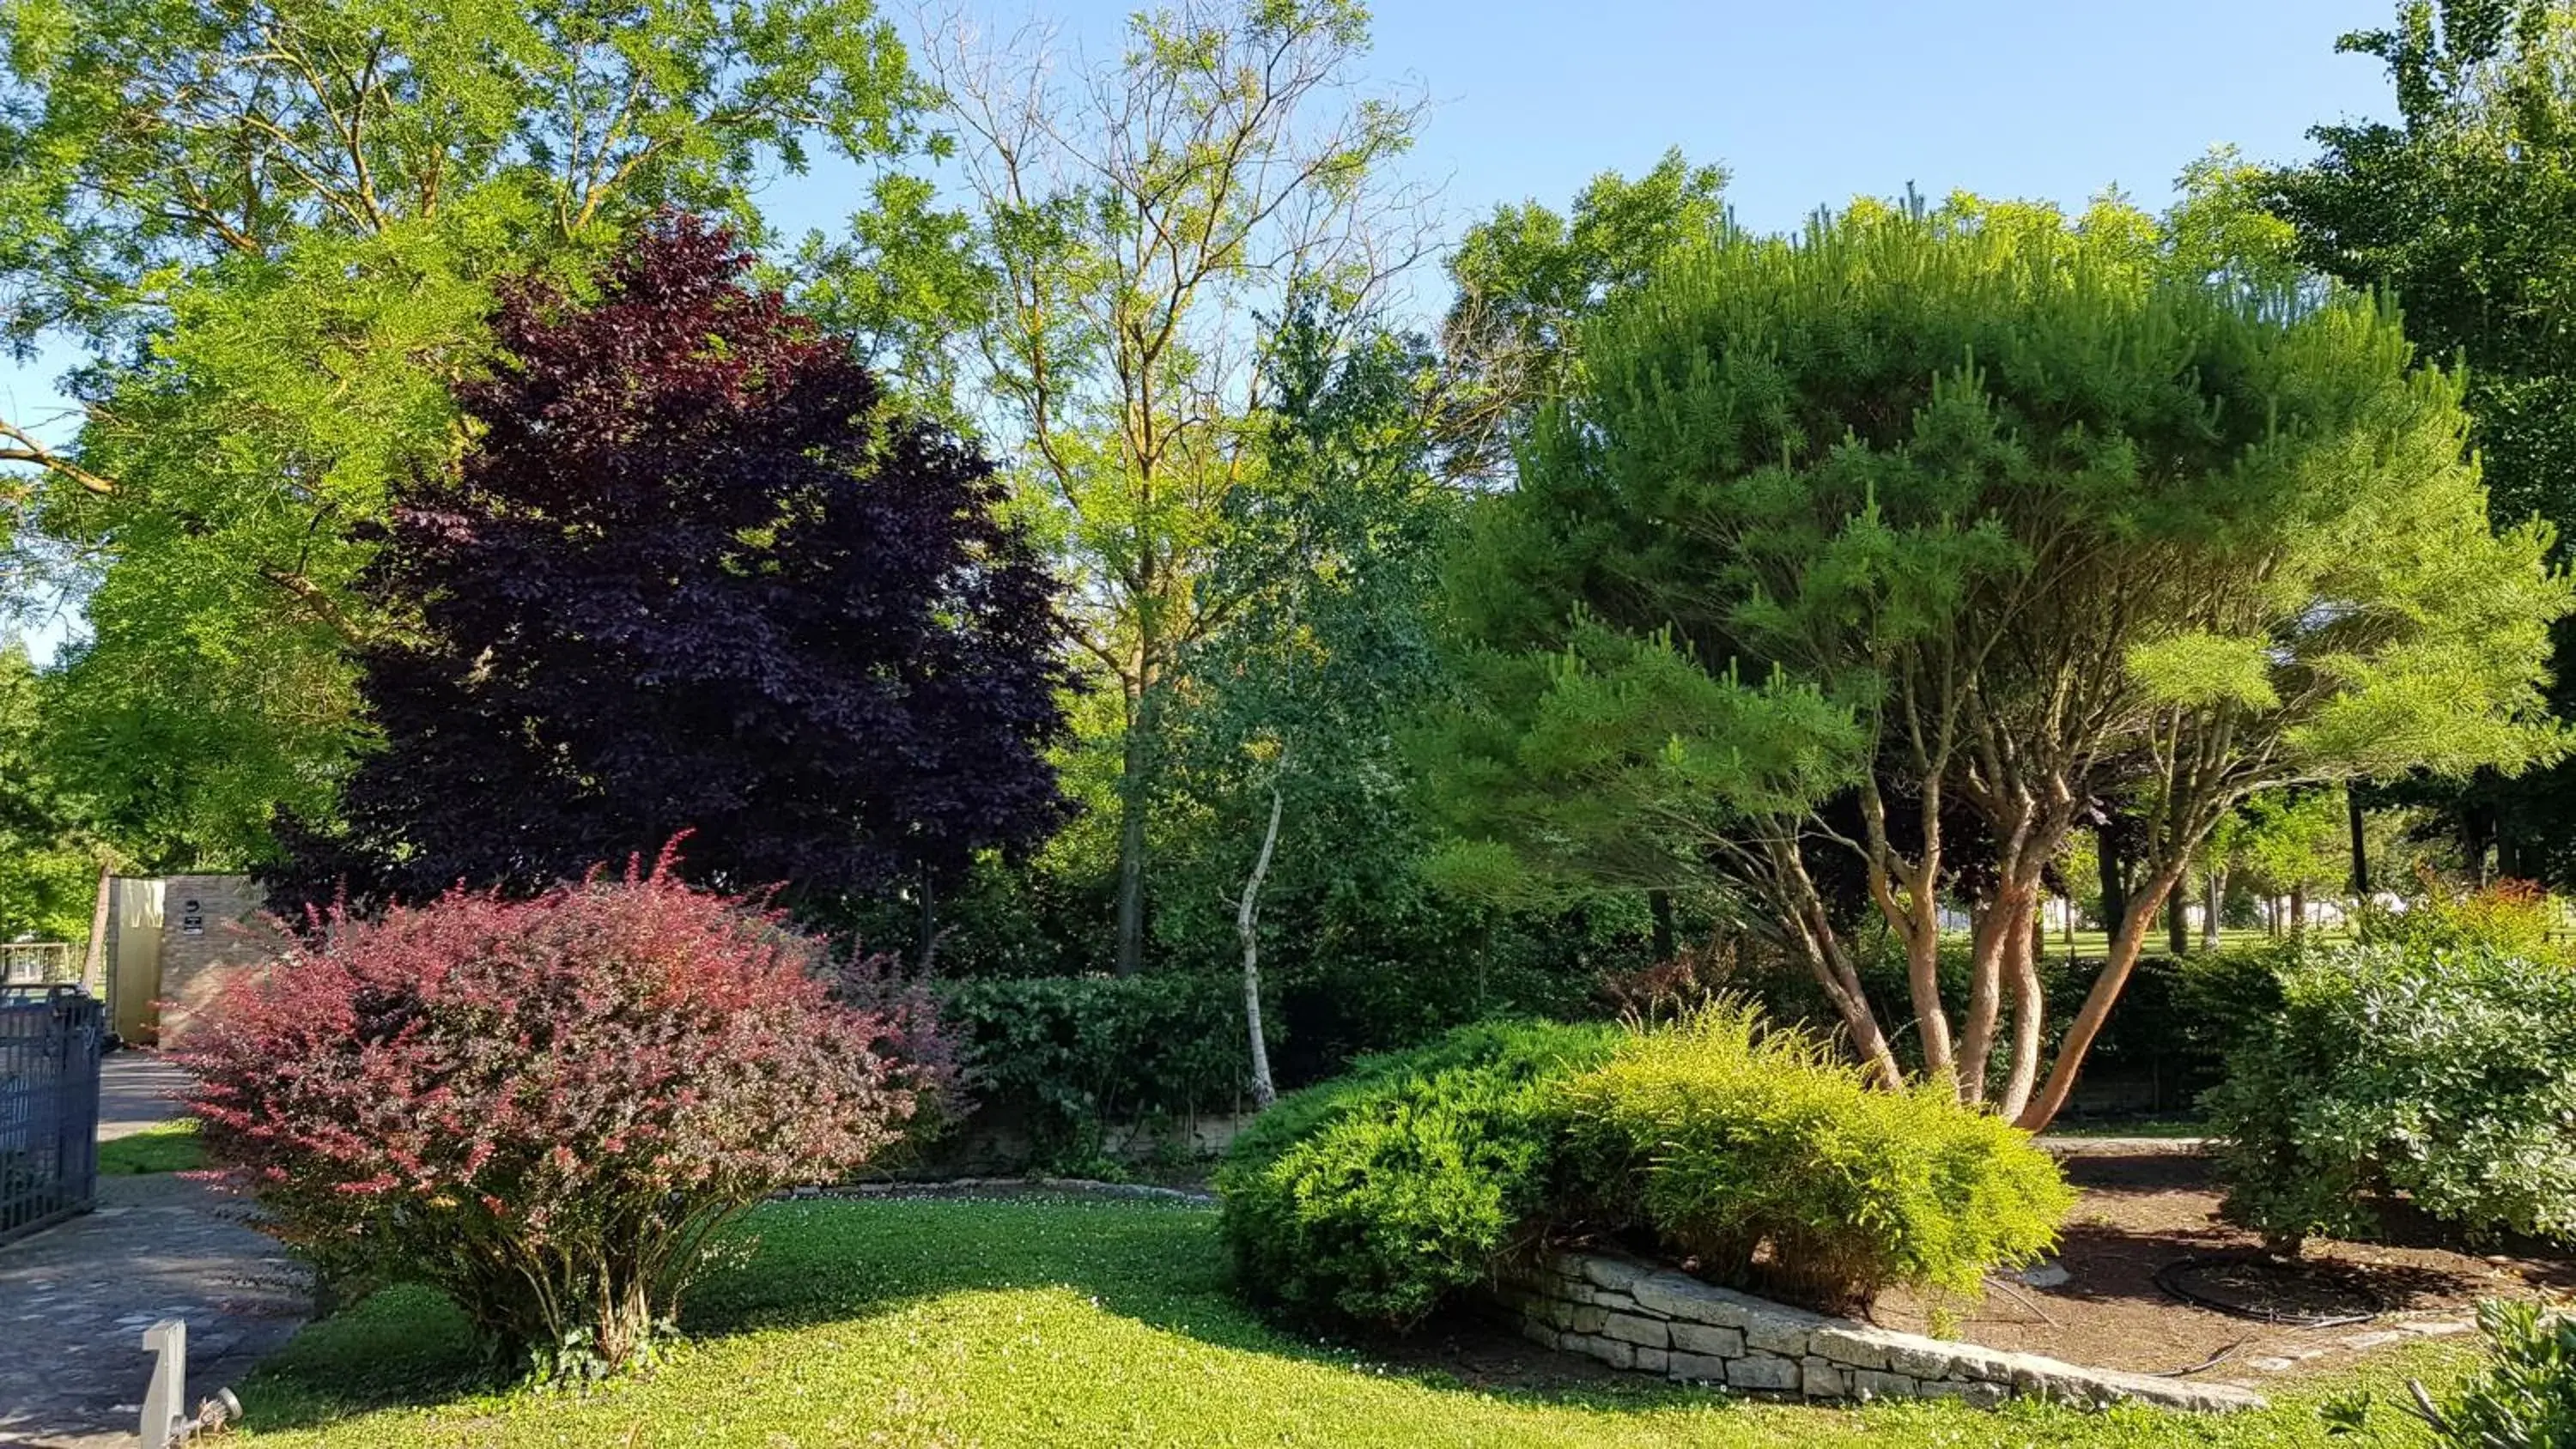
(1132, 802)
(1247, 916)
(2213, 906)
(1660, 905)
(2115, 884)
(2360, 845)
(94, 958)
(2477, 838)
(2178, 922)
(929, 943)
(2098, 1002)
(2008, 922)
(1810, 930)
(2030, 1017)
(2299, 909)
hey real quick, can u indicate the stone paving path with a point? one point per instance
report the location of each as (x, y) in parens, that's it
(134, 1093)
(75, 1299)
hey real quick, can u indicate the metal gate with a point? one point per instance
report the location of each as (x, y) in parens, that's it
(49, 1048)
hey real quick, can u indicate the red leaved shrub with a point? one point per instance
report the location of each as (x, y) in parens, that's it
(547, 1108)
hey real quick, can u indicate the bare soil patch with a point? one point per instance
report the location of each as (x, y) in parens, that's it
(2146, 1211)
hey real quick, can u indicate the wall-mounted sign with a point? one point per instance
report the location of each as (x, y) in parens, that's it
(192, 918)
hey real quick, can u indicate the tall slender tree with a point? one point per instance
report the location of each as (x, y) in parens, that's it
(1140, 216)
(1328, 570)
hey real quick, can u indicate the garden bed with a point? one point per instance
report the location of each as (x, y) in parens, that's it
(2144, 1211)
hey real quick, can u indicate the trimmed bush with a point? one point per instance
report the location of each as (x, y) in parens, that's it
(1373, 1197)
(1756, 1153)
(546, 1108)
(2446, 1074)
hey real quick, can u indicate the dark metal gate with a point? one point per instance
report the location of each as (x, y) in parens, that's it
(49, 1048)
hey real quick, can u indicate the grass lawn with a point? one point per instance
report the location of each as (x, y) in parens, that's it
(168, 1147)
(1044, 1322)
(2095, 945)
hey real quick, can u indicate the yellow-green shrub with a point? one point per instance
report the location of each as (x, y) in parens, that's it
(1776, 1167)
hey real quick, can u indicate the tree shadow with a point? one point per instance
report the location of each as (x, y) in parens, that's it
(820, 1261)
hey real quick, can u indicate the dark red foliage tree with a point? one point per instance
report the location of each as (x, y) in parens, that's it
(691, 576)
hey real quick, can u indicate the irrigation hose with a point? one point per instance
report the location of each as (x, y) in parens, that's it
(2165, 1276)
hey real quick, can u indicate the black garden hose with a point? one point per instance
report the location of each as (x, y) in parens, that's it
(2166, 1278)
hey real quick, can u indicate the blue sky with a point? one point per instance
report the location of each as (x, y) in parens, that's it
(1805, 102)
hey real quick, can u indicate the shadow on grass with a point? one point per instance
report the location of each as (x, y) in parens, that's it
(846, 1262)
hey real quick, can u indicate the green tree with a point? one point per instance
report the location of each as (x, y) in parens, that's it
(48, 869)
(1527, 277)
(2291, 844)
(276, 225)
(2465, 209)
(1327, 572)
(1138, 219)
(1927, 516)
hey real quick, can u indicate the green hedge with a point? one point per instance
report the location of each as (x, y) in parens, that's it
(1070, 1055)
(2448, 1075)
(1373, 1198)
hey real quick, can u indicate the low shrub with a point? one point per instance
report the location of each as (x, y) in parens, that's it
(2510, 918)
(2526, 1392)
(1071, 1055)
(2446, 1074)
(1756, 1153)
(1373, 1197)
(2523, 1397)
(546, 1108)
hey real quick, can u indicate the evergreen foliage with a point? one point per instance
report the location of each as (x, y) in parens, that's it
(1905, 542)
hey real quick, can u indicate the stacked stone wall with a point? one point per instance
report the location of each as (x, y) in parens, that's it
(1632, 1315)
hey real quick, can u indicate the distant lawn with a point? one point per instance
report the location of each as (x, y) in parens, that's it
(2161, 1128)
(166, 1147)
(1048, 1322)
(2095, 945)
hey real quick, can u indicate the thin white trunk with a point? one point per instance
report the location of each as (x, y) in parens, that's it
(1247, 915)
(94, 960)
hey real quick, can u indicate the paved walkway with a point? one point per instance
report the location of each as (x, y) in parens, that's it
(75, 1299)
(134, 1093)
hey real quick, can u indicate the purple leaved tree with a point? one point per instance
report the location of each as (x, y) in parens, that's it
(691, 574)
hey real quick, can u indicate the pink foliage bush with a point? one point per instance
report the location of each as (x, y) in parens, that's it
(548, 1108)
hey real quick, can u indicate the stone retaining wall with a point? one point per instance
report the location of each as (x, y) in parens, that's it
(1632, 1315)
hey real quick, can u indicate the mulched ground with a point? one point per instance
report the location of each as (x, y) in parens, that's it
(2143, 1210)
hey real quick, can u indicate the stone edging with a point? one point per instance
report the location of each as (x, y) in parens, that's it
(954, 1186)
(1632, 1315)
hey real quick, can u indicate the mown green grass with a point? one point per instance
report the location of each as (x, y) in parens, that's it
(165, 1147)
(1044, 1322)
